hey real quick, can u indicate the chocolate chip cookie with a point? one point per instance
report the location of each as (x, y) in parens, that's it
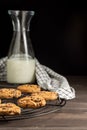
(47, 95)
(31, 102)
(27, 88)
(9, 93)
(9, 109)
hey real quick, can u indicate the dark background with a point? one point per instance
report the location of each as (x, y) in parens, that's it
(58, 33)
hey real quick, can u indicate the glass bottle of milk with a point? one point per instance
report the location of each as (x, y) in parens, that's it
(21, 58)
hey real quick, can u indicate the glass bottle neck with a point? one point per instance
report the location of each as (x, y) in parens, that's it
(21, 20)
(20, 26)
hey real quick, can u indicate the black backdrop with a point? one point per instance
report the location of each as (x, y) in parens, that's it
(58, 34)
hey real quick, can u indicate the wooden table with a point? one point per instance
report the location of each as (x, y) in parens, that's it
(73, 115)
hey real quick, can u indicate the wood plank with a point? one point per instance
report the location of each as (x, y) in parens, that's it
(42, 128)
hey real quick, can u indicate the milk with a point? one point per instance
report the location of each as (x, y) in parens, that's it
(20, 70)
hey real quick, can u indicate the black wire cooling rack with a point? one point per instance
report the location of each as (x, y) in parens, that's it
(51, 106)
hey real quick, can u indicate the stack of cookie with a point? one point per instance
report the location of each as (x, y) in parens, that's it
(9, 108)
(27, 96)
(37, 98)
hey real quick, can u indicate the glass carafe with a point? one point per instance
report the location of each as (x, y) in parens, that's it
(21, 58)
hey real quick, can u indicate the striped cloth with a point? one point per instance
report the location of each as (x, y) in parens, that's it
(47, 79)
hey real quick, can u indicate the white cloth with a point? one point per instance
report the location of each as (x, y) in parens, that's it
(47, 79)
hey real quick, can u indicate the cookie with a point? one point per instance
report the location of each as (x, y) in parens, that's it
(9, 93)
(31, 102)
(9, 109)
(0, 100)
(47, 95)
(29, 88)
